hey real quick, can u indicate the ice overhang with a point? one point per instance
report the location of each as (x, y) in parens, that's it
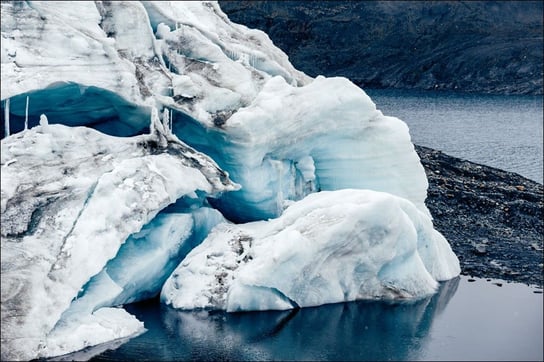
(74, 104)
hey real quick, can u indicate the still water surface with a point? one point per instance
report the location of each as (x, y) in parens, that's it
(475, 320)
(502, 131)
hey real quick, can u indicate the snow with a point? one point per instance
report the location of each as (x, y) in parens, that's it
(88, 205)
(332, 190)
(332, 246)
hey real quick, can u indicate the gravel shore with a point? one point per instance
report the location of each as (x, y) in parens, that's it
(493, 219)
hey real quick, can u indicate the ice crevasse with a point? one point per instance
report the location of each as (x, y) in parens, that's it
(253, 186)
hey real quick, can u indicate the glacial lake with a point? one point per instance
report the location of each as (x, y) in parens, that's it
(501, 131)
(468, 319)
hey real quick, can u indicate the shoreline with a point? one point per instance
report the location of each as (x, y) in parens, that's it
(493, 219)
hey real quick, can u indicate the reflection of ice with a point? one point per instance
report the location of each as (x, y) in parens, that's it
(447, 291)
(346, 331)
(90, 352)
(215, 336)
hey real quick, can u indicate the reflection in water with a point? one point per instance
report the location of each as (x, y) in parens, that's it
(345, 331)
(89, 352)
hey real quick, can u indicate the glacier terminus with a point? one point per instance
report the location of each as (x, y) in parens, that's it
(157, 148)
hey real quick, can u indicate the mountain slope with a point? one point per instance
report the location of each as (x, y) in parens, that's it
(474, 46)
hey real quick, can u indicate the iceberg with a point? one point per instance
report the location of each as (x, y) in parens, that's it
(158, 148)
(232, 95)
(280, 134)
(330, 247)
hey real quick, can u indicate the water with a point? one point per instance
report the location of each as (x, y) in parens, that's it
(502, 131)
(475, 320)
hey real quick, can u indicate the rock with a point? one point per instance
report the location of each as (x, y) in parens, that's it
(470, 218)
(536, 247)
(480, 249)
(408, 44)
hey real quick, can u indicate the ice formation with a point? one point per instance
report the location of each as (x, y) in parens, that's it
(94, 219)
(332, 246)
(70, 199)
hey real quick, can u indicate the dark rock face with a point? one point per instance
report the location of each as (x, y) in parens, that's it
(493, 219)
(474, 46)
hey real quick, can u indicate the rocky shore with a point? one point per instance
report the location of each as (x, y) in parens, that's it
(493, 219)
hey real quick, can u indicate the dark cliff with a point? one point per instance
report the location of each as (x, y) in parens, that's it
(473, 46)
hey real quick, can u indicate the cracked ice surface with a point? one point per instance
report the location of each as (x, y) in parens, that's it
(332, 246)
(70, 199)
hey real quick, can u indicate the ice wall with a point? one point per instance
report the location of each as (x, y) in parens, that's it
(292, 141)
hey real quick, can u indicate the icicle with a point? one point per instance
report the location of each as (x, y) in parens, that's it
(6, 118)
(26, 114)
(154, 124)
(166, 119)
(157, 128)
(44, 123)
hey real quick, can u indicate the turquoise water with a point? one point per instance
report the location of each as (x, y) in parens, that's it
(502, 131)
(465, 320)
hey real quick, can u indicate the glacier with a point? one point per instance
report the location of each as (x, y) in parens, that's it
(183, 155)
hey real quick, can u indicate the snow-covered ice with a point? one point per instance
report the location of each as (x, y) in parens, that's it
(332, 246)
(292, 141)
(94, 219)
(70, 199)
